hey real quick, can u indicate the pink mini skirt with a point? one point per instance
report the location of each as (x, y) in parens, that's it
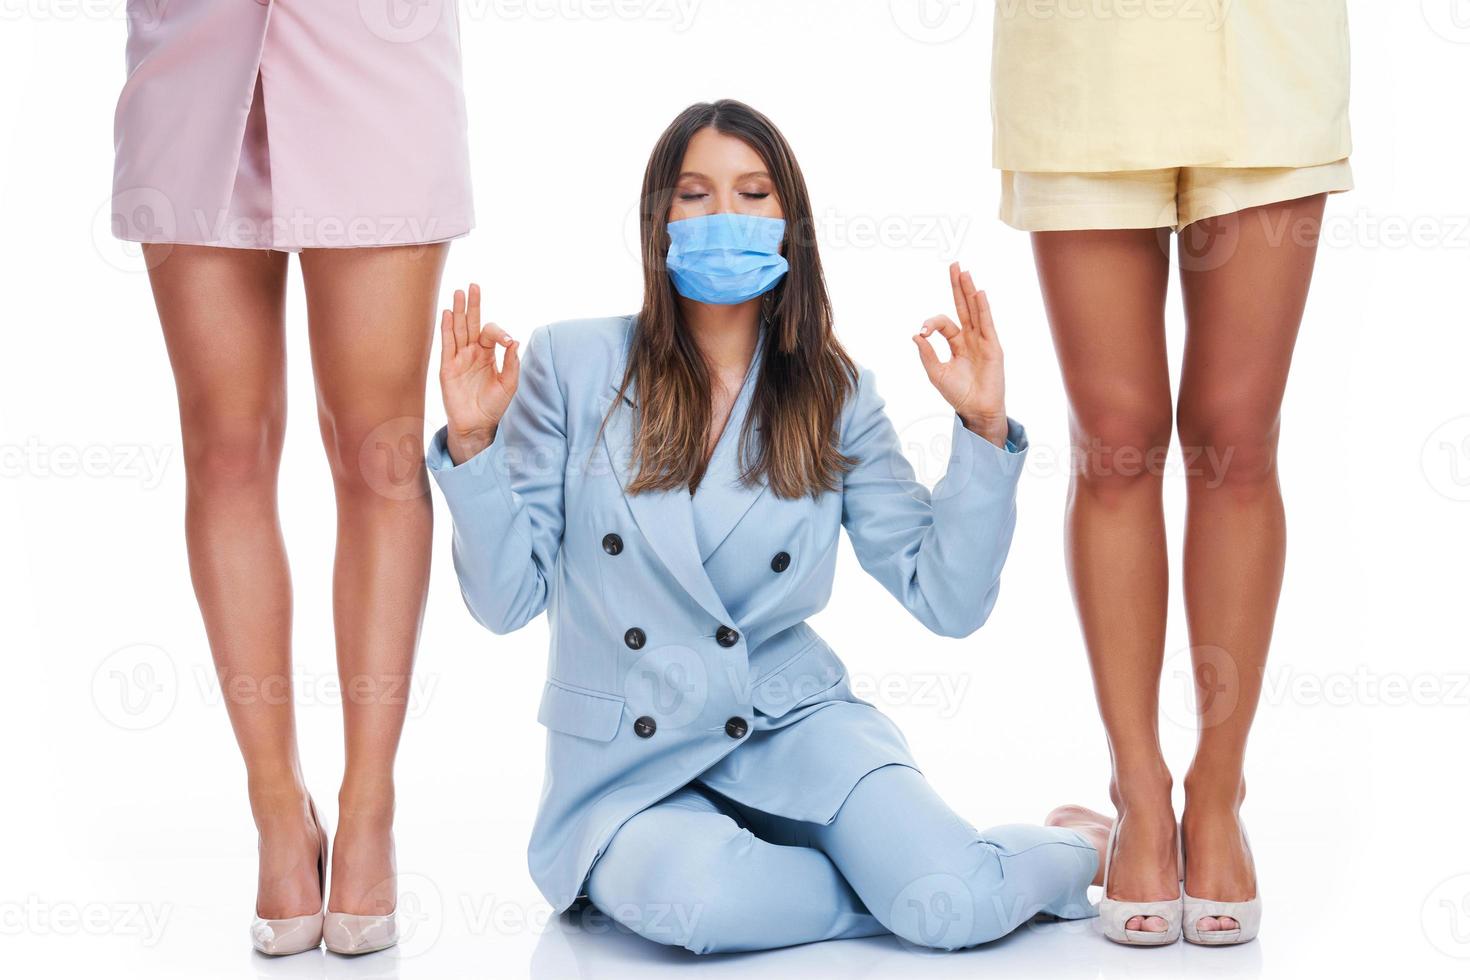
(291, 124)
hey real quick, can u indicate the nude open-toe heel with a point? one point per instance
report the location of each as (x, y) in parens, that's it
(1247, 914)
(285, 937)
(1115, 914)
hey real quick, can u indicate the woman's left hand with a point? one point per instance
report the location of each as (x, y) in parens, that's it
(973, 379)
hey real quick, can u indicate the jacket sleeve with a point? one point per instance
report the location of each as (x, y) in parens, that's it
(507, 502)
(939, 553)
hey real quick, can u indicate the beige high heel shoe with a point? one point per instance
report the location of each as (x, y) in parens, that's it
(1115, 914)
(285, 937)
(354, 935)
(1246, 914)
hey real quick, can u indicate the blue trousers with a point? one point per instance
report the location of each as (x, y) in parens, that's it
(699, 871)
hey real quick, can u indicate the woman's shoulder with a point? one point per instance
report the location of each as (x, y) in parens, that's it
(583, 351)
(862, 398)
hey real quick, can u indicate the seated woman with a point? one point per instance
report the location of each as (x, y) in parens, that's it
(670, 487)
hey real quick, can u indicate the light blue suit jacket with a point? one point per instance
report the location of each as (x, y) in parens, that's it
(679, 647)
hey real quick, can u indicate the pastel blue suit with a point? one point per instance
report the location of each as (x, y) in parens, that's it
(711, 779)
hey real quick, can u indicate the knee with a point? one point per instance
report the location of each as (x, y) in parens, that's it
(1121, 447)
(664, 877)
(375, 456)
(225, 453)
(947, 911)
(1228, 446)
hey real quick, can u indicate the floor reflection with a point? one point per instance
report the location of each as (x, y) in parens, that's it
(588, 947)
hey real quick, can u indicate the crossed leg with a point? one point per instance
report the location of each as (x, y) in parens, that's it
(701, 872)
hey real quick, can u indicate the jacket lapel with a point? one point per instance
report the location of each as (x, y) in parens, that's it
(665, 518)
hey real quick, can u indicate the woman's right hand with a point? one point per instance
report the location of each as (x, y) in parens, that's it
(476, 393)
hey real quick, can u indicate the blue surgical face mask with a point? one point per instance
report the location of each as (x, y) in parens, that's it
(725, 259)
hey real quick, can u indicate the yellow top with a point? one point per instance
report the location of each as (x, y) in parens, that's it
(1109, 85)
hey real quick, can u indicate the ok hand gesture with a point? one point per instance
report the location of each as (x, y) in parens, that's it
(973, 379)
(476, 393)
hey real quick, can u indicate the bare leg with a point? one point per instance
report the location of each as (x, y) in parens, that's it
(223, 314)
(1105, 294)
(372, 316)
(1246, 278)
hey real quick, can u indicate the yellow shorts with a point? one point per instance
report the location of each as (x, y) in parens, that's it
(1173, 198)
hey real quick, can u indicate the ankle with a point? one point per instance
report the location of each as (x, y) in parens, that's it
(366, 801)
(1142, 790)
(1210, 793)
(276, 800)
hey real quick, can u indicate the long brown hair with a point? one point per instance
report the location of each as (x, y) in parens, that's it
(804, 376)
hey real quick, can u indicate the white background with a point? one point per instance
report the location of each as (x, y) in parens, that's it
(127, 845)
